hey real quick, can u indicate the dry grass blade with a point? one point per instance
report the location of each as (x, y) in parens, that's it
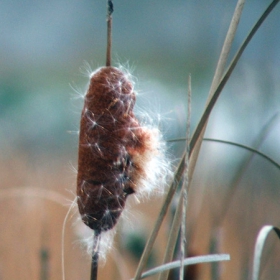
(226, 76)
(187, 261)
(243, 167)
(52, 196)
(173, 236)
(163, 211)
(73, 205)
(180, 214)
(195, 137)
(227, 45)
(185, 185)
(33, 192)
(220, 68)
(218, 75)
(264, 156)
(259, 248)
(210, 106)
(245, 147)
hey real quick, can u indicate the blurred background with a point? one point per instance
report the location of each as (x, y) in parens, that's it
(46, 51)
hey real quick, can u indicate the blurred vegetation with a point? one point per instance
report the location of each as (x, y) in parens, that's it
(44, 46)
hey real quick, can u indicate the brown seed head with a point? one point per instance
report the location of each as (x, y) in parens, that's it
(112, 149)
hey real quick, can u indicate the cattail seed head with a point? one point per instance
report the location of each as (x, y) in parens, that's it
(116, 153)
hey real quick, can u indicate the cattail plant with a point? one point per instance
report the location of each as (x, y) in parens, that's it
(117, 154)
(122, 156)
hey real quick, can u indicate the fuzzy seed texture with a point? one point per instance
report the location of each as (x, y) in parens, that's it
(118, 155)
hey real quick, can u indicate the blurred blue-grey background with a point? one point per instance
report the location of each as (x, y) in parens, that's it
(45, 47)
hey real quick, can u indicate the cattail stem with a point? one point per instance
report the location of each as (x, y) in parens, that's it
(110, 9)
(95, 256)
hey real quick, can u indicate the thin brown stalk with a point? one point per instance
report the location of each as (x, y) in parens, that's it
(110, 9)
(95, 256)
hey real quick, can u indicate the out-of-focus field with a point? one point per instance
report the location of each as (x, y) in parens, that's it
(33, 205)
(35, 199)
